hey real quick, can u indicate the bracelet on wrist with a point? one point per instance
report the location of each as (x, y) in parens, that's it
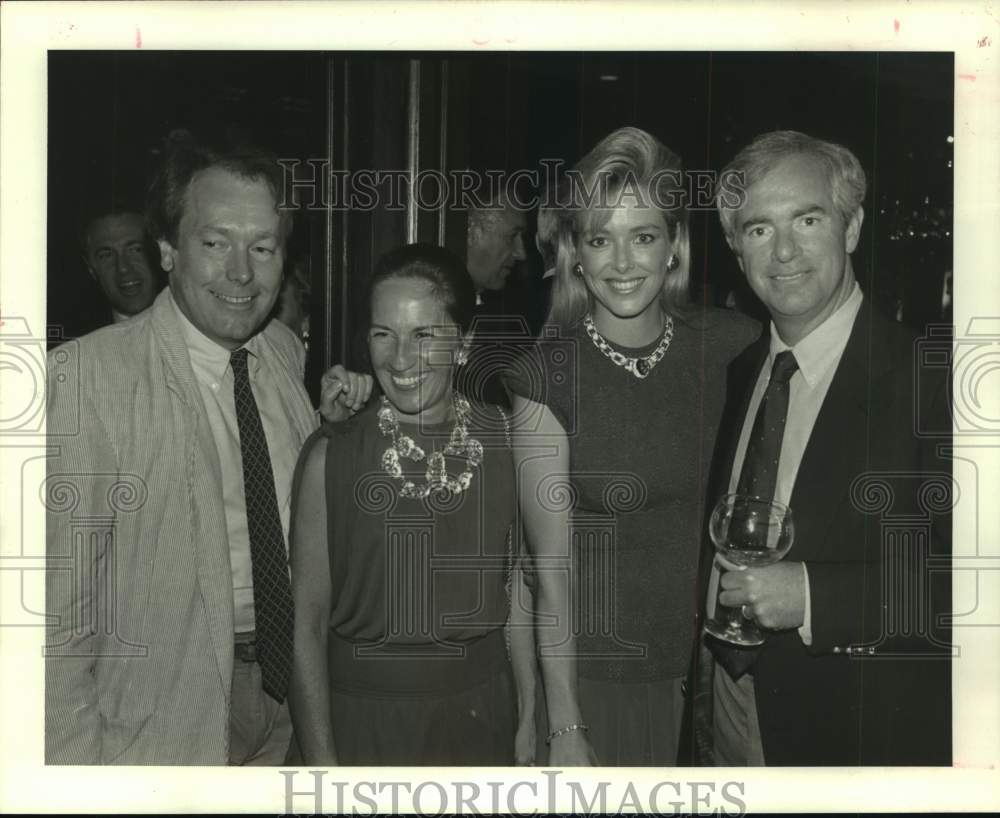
(569, 728)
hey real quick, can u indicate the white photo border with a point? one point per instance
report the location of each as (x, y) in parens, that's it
(970, 30)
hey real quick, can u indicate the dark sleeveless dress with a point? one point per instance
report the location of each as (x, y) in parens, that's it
(639, 460)
(418, 663)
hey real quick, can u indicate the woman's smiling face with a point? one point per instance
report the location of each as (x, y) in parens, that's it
(625, 260)
(413, 344)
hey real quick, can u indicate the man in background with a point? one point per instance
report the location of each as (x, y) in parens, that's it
(494, 245)
(116, 251)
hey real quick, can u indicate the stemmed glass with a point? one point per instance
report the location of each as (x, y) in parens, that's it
(747, 532)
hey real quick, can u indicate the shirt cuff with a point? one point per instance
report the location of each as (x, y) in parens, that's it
(805, 632)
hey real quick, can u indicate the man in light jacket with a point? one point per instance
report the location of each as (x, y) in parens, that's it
(174, 439)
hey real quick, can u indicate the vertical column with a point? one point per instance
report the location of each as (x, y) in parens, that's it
(905, 504)
(413, 149)
(91, 561)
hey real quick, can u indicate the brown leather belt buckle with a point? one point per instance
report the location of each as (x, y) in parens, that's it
(245, 651)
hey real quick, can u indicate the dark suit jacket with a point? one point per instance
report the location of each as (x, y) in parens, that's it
(871, 505)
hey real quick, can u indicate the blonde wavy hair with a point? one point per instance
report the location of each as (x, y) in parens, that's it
(627, 162)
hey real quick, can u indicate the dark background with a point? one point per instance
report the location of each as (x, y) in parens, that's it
(110, 112)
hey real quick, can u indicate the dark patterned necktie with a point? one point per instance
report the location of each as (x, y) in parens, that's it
(760, 466)
(758, 478)
(272, 592)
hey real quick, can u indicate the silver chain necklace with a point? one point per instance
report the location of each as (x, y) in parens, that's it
(640, 367)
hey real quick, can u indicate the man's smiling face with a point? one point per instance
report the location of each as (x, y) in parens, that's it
(794, 246)
(225, 272)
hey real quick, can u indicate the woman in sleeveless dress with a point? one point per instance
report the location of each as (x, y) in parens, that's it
(403, 552)
(615, 418)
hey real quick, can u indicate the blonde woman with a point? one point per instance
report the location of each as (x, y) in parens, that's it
(612, 443)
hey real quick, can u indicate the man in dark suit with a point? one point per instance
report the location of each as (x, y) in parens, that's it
(494, 245)
(855, 668)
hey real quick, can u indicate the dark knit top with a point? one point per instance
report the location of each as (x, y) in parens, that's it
(639, 455)
(416, 582)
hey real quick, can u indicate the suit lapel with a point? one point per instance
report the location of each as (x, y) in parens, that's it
(837, 449)
(294, 399)
(209, 542)
(741, 376)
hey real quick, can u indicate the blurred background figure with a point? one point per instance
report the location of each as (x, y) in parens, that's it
(116, 251)
(494, 248)
(294, 302)
(494, 244)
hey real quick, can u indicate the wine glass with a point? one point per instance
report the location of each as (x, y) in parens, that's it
(746, 531)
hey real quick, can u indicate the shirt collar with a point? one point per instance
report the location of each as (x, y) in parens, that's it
(821, 348)
(206, 355)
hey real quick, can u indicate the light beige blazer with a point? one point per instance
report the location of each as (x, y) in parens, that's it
(139, 652)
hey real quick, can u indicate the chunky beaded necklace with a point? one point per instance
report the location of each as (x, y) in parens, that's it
(437, 476)
(640, 367)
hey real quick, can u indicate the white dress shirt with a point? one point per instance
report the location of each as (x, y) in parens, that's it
(214, 375)
(817, 356)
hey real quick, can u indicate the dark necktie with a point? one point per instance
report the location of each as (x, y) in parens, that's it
(760, 466)
(272, 592)
(759, 477)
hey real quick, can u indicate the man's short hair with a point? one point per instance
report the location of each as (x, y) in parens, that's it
(483, 220)
(844, 172)
(184, 157)
(86, 222)
(489, 207)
